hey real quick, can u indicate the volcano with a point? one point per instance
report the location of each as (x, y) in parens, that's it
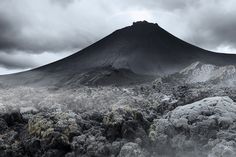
(131, 55)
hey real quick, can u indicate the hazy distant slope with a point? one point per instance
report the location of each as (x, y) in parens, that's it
(143, 49)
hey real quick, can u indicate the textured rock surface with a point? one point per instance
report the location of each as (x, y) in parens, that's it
(207, 125)
(199, 72)
(131, 150)
(154, 120)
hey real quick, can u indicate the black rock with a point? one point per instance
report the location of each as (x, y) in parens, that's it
(3, 126)
(32, 146)
(57, 140)
(54, 153)
(103, 151)
(113, 131)
(71, 154)
(132, 130)
(116, 146)
(96, 116)
(12, 118)
(129, 129)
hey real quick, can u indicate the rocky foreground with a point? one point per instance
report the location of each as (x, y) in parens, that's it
(158, 120)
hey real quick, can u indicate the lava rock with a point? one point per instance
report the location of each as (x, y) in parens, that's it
(116, 147)
(54, 153)
(131, 150)
(3, 126)
(32, 146)
(193, 126)
(57, 140)
(12, 118)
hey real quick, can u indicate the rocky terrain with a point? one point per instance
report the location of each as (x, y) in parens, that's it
(199, 72)
(157, 119)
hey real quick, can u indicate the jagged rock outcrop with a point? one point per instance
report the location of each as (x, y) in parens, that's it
(201, 72)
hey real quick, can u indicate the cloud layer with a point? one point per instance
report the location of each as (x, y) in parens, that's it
(46, 28)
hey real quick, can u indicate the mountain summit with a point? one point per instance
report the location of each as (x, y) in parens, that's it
(143, 50)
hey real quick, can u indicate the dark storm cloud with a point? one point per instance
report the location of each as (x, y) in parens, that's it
(39, 26)
(14, 62)
(42, 27)
(210, 24)
(46, 27)
(212, 36)
(215, 26)
(7, 33)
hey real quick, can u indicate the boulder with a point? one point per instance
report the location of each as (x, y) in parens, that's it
(193, 126)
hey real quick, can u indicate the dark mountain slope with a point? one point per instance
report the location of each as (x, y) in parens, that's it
(142, 49)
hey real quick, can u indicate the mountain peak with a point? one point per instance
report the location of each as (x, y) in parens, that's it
(141, 30)
(144, 23)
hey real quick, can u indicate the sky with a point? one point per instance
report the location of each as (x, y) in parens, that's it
(37, 32)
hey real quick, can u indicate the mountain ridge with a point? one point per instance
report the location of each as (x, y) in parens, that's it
(144, 49)
(150, 34)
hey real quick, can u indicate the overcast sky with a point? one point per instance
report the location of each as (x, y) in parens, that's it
(36, 32)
